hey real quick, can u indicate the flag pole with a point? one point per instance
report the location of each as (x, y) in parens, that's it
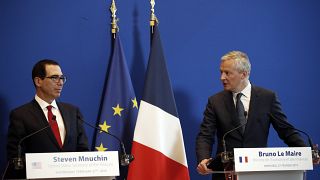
(153, 18)
(114, 19)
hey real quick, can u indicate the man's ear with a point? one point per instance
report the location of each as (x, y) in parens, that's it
(37, 81)
(244, 74)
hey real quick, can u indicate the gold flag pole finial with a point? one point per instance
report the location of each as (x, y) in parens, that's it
(153, 19)
(114, 21)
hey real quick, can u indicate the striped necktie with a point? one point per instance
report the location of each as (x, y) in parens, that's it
(240, 112)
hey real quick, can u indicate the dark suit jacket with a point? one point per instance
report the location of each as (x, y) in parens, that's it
(220, 114)
(28, 118)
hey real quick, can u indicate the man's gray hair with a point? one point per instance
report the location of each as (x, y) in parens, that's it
(241, 60)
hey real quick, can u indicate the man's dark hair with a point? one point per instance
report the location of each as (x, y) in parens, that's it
(39, 69)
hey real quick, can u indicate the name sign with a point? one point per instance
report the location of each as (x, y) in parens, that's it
(272, 159)
(72, 164)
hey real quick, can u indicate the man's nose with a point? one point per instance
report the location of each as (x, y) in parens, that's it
(222, 76)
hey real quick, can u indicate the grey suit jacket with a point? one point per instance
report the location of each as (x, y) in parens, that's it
(29, 118)
(219, 117)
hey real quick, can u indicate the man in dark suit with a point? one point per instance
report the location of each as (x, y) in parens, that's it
(221, 115)
(65, 131)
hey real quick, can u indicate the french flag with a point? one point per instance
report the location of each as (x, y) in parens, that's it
(158, 145)
(243, 159)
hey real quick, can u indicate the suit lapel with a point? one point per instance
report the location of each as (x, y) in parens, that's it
(231, 110)
(252, 109)
(66, 122)
(43, 120)
(38, 113)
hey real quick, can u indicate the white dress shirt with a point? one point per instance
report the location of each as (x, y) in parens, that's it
(55, 110)
(245, 98)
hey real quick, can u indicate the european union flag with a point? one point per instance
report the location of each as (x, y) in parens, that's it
(119, 105)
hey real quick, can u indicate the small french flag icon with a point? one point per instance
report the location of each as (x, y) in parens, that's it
(243, 159)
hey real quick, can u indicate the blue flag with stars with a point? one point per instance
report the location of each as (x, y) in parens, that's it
(119, 106)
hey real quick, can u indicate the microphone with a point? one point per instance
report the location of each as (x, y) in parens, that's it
(315, 151)
(18, 162)
(125, 159)
(225, 155)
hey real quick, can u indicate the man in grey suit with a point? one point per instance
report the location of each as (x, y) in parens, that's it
(65, 131)
(260, 108)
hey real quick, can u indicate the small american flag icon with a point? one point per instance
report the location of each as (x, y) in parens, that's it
(36, 165)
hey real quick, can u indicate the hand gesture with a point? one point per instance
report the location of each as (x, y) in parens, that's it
(315, 155)
(202, 167)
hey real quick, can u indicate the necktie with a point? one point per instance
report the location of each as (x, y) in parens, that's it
(54, 126)
(240, 111)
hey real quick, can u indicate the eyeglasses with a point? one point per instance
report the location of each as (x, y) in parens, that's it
(56, 78)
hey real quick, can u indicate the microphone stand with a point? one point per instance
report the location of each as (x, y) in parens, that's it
(19, 162)
(5, 171)
(125, 159)
(227, 156)
(314, 150)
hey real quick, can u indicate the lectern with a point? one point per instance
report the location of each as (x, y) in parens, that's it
(268, 164)
(272, 163)
(72, 165)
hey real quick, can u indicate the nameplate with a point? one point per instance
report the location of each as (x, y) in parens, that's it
(72, 164)
(272, 159)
